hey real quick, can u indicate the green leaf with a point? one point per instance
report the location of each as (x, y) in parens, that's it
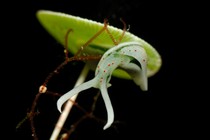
(57, 24)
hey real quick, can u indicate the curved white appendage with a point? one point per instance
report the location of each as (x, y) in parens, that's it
(138, 75)
(108, 104)
(74, 91)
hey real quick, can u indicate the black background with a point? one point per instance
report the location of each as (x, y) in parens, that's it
(166, 111)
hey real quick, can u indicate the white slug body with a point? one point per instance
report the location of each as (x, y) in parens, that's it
(129, 56)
